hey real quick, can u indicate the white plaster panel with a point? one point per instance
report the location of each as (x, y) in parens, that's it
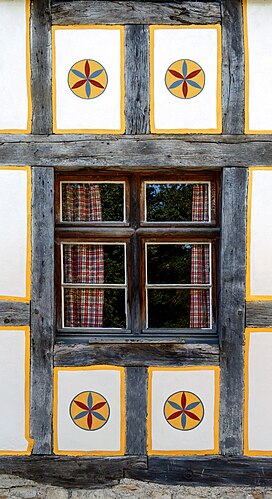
(13, 76)
(199, 45)
(71, 437)
(167, 438)
(104, 46)
(259, 391)
(259, 22)
(12, 391)
(13, 236)
(261, 234)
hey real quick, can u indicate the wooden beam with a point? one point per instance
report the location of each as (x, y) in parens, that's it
(106, 12)
(41, 66)
(136, 403)
(232, 66)
(127, 152)
(42, 308)
(137, 79)
(232, 308)
(137, 354)
(14, 313)
(259, 314)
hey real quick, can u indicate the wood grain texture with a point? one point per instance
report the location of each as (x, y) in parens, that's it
(259, 314)
(232, 308)
(42, 308)
(197, 152)
(136, 354)
(41, 66)
(232, 66)
(136, 403)
(14, 313)
(206, 471)
(71, 472)
(137, 79)
(106, 12)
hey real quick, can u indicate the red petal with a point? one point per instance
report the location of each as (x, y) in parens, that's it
(79, 83)
(183, 400)
(87, 69)
(89, 420)
(192, 415)
(174, 415)
(98, 406)
(175, 73)
(96, 84)
(185, 89)
(193, 74)
(81, 405)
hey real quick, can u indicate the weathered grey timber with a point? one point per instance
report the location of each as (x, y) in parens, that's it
(14, 313)
(206, 471)
(42, 308)
(232, 66)
(68, 472)
(41, 66)
(137, 354)
(137, 79)
(232, 308)
(259, 314)
(127, 152)
(93, 12)
(136, 402)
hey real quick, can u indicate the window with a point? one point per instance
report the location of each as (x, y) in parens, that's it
(136, 254)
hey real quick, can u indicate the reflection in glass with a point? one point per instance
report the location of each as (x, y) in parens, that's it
(178, 264)
(94, 308)
(90, 202)
(171, 308)
(94, 263)
(173, 202)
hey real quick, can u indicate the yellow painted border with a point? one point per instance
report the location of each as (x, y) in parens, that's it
(249, 296)
(248, 332)
(122, 80)
(28, 79)
(27, 297)
(218, 129)
(152, 452)
(27, 393)
(122, 450)
(246, 48)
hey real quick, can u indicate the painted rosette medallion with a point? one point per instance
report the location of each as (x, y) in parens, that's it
(87, 79)
(185, 79)
(89, 411)
(183, 410)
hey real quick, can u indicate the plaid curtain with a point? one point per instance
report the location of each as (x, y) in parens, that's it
(200, 298)
(83, 263)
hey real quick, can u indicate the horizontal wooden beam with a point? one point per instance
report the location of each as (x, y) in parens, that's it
(103, 12)
(14, 313)
(259, 314)
(71, 472)
(136, 354)
(69, 152)
(206, 471)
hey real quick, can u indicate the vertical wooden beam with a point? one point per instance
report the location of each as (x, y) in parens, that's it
(42, 308)
(232, 308)
(41, 66)
(233, 67)
(137, 79)
(136, 382)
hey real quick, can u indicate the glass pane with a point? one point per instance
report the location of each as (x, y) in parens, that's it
(178, 264)
(94, 308)
(94, 263)
(177, 202)
(178, 308)
(88, 202)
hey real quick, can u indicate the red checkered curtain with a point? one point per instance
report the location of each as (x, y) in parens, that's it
(200, 267)
(83, 263)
